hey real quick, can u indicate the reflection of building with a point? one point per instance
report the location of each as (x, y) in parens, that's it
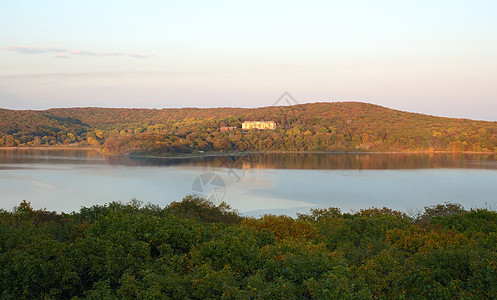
(259, 125)
(227, 128)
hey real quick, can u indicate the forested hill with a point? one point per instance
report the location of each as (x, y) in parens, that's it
(334, 126)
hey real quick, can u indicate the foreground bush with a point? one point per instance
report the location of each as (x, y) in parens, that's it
(193, 249)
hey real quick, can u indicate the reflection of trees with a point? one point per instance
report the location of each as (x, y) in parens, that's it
(357, 161)
(371, 161)
(60, 156)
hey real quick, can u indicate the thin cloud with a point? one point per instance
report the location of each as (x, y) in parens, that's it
(88, 75)
(81, 53)
(67, 53)
(139, 56)
(62, 55)
(32, 50)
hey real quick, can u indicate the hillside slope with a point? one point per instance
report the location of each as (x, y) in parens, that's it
(307, 127)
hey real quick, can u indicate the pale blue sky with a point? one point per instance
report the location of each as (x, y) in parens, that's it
(436, 57)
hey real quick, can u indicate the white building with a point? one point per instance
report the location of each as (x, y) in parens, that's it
(259, 125)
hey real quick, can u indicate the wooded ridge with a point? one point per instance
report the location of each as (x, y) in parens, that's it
(337, 126)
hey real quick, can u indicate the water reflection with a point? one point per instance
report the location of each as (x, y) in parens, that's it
(66, 179)
(300, 161)
(60, 156)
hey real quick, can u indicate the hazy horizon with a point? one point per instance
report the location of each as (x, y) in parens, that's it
(435, 58)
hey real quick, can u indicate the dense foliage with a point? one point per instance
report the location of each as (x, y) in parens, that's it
(193, 249)
(307, 127)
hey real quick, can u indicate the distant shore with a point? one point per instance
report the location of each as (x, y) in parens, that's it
(232, 153)
(61, 147)
(235, 153)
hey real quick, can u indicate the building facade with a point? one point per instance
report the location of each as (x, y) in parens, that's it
(227, 128)
(259, 125)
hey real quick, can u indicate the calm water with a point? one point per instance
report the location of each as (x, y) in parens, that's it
(65, 180)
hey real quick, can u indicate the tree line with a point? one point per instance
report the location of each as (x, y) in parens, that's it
(340, 126)
(193, 249)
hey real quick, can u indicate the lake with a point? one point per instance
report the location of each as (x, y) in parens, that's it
(254, 184)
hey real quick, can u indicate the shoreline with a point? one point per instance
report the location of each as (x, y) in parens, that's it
(62, 147)
(236, 153)
(240, 153)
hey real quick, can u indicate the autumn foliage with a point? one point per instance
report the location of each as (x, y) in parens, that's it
(339, 126)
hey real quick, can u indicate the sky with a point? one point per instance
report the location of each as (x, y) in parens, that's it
(434, 57)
